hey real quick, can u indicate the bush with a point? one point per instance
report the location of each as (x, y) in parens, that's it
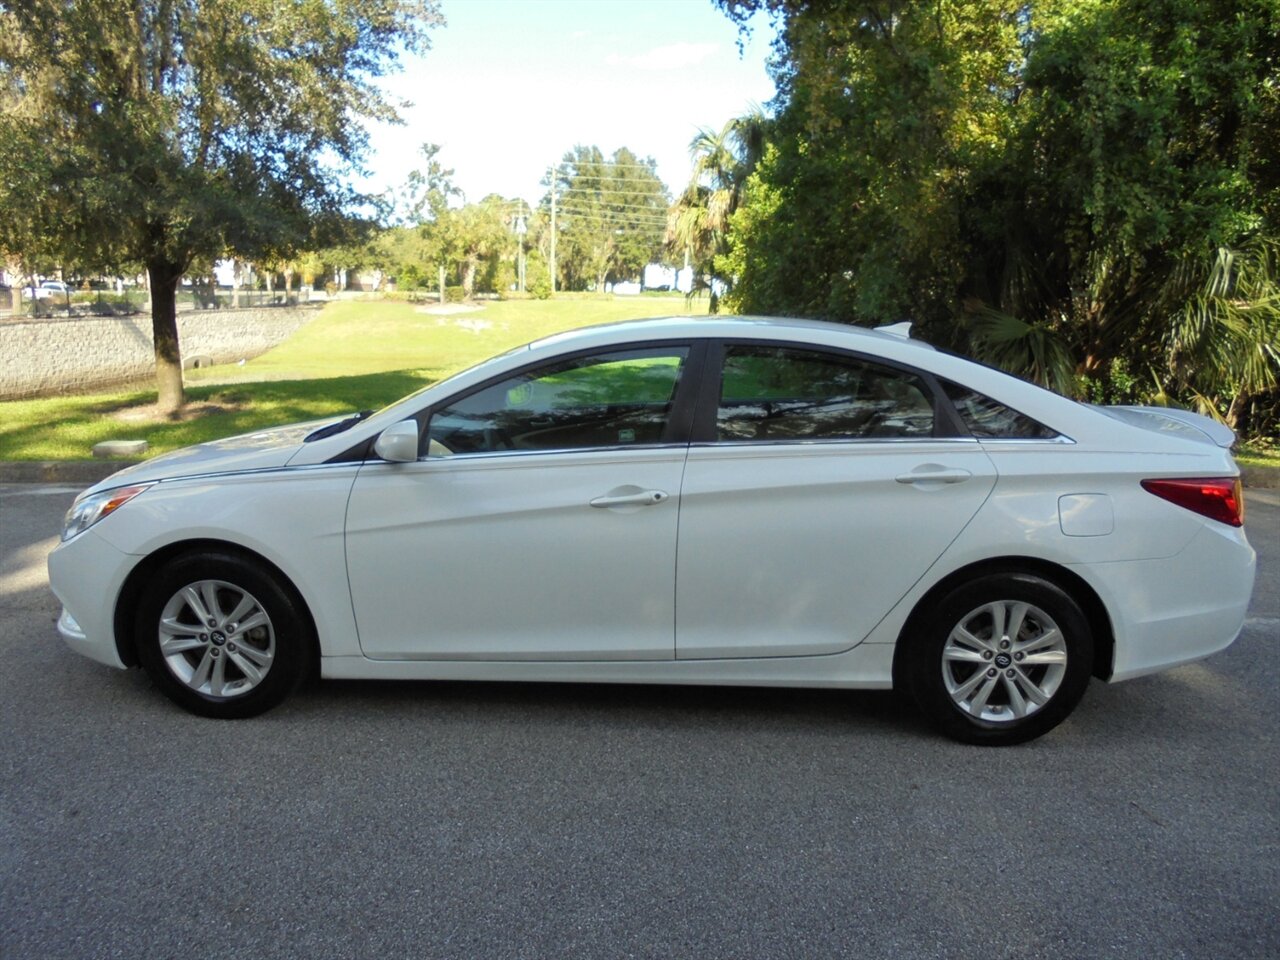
(541, 288)
(454, 294)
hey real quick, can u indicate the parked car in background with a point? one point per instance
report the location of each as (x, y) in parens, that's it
(713, 501)
(46, 288)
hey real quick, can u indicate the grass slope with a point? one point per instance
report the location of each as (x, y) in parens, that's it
(355, 355)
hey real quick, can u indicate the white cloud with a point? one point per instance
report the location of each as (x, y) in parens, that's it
(671, 56)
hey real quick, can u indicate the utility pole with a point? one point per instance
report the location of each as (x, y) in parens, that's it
(553, 229)
(521, 229)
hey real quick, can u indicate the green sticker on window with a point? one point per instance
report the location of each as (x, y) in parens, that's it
(520, 395)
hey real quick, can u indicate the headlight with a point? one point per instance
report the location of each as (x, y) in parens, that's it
(88, 511)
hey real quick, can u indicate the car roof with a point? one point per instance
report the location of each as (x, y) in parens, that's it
(748, 327)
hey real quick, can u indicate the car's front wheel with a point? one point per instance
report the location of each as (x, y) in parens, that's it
(1001, 660)
(222, 635)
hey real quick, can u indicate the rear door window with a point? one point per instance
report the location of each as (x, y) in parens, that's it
(774, 394)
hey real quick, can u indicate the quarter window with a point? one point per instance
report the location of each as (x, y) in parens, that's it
(616, 399)
(778, 393)
(991, 419)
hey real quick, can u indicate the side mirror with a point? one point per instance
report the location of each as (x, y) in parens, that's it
(398, 443)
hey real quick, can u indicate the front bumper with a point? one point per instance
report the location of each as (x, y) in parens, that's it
(86, 574)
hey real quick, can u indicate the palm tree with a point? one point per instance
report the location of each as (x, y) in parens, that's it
(698, 222)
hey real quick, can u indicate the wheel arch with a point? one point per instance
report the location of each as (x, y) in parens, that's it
(1072, 583)
(135, 583)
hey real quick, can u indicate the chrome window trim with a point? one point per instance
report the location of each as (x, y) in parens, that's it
(557, 451)
(1061, 438)
(829, 441)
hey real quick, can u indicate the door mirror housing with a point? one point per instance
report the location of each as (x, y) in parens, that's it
(398, 443)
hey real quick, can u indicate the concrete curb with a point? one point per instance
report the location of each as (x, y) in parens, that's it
(86, 472)
(82, 472)
(1257, 476)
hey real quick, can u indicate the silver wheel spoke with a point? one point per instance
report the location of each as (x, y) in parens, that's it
(1044, 657)
(196, 603)
(997, 612)
(201, 674)
(1017, 702)
(969, 639)
(209, 593)
(960, 693)
(248, 668)
(246, 604)
(1047, 639)
(260, 657)
(250, 622)
(1017, 614)
(1033, 692)
(172, 645)
(960, 654)
(979, 701)
(218, 676)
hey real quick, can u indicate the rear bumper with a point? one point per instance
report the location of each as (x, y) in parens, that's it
(1178, 609)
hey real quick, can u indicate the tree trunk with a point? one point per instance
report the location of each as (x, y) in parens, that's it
(468, 277)
(163, 279)
(441, 288)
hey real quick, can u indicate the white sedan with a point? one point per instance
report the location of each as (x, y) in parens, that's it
(46, 289)
(719, 501)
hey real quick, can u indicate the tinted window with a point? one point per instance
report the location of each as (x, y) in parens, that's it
(616, 399)
(777, 393)
(990, 418)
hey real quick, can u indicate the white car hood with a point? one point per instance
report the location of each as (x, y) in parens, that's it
(261, 450)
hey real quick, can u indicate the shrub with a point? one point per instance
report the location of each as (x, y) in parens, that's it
(454, 294)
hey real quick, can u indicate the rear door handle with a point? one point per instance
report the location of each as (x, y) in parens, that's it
(934, 473)
(646, 498)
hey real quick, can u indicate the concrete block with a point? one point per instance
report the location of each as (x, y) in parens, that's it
(120, 448)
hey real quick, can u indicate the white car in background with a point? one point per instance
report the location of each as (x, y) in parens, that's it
(715, 501)
(47, 288)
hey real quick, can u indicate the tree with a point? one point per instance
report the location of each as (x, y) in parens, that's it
(1085, 191)
(611, 215)
(698, 222)
(162, 130)
(483, 233)
(426, 206)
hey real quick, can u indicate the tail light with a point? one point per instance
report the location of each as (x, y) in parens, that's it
(1218, 498)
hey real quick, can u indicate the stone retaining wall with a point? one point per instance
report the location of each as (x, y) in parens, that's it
(42, 357)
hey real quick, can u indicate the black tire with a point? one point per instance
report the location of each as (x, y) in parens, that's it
(280, 651)
(937, 667)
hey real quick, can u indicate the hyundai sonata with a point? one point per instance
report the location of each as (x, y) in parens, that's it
(718, 501)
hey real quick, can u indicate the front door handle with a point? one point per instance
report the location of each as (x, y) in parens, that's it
(934, 473)
(645, 498)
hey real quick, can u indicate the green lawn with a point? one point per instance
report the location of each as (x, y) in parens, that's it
(355, 355)
(1259, 455)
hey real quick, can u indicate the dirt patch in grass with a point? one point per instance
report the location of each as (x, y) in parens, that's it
(192, 410)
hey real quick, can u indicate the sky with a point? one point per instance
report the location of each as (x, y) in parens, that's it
(509, 86)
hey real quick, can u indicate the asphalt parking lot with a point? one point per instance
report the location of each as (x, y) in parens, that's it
(484, 820)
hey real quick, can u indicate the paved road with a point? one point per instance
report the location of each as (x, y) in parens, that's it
(478, 820)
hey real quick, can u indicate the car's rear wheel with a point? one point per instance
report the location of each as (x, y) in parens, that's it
(222, 635)
(1002, 659)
